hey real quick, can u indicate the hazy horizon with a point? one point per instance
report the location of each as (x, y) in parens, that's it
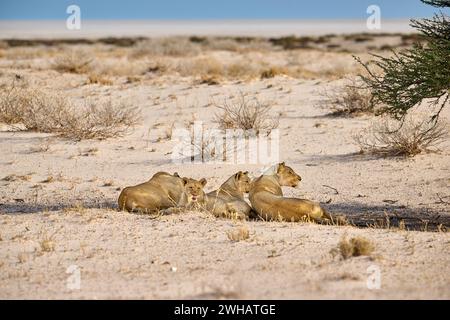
(157, 28)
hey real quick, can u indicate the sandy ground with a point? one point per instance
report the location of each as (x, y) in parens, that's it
(72, 221)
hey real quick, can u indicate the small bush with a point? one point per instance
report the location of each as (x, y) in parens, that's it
(52, 113)
(272, 72)
(355, 247)
(238, 234)
(350, 100)
(246, 114)
(73, 61)
(95, 78)
(204, 66)
(171, 46)
(391, 137)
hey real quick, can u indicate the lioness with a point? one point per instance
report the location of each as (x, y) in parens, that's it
(228, 200)
(267, 198)
(162, 191)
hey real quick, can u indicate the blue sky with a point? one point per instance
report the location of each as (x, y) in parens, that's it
(211, 9)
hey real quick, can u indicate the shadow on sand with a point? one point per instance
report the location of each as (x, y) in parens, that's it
(357, 214)
(391, 216)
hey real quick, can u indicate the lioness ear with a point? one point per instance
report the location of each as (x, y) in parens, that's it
(203, 181)
(246, 172)
(185, 181)
(176, 174)
(281, 165)
(238, 175)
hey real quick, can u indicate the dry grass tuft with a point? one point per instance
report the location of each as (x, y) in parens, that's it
(49, 179)
(273, 72)
(47, 244)
(73, 61)
(108, 183)
(390, 137)
(238, 234)
(15, 177)
(95, 78)
(52, 113)
(246, 114)
(355, 247)
(350, 100)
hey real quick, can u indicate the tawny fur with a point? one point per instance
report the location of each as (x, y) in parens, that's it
(228, 201)
(161, 192)
(266, 197)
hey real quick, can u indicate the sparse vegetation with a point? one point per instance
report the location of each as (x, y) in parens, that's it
(247, 114)
(108, 183)
(73, 61)
(389, 137)
(95, 78)
(52, 113)
(355, 247)
(272, 72)
(172, 46)
(47, 244)
(49, 179)
(239, 234)
(415, 75)
(15, 177)
(350, 100)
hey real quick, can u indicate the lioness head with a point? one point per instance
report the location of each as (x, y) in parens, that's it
(287, 176)
(242, 181)
(194, 189)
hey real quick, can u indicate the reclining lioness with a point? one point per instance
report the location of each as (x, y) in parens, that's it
(228, 200)
(267, 198)
(161, 192)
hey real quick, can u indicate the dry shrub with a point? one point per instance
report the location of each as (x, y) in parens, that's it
(35, 110)
(95, 78)
(119, 67)
(222, 44)
(171, 46)
(350, 100)
(211, 67)
(239, 234)
(205, 146)
(237, 44)
(52, 113)
(247, 114)
(99, 121)
(14, 177)
(48, 243)
(389, 137)
(203, 66)
(209, 80)
(74, 61)
(241, 69)
(272, 72)
(355, 247)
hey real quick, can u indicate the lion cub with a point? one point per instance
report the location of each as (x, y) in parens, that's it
(161, 192)
(267, 198)
(228, 200)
